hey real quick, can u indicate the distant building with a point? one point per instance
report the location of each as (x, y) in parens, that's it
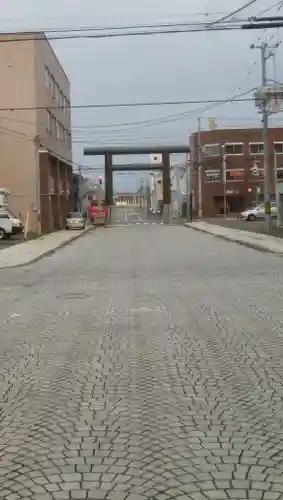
(232, 162)
(35, 138)
(156, 189)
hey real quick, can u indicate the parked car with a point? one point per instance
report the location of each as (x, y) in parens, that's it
(258, 212)
(6, 228)
(7, 221)
(75, 220)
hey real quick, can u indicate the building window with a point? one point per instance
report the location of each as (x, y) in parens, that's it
(61, 132)
(47, 77)
(279, 173)
(54, 126)
(57, 129)
(49, 121)
(53, 88)
(61, 99)
(67, 106)
(234, 148)
(57, 92)
(278, 147)
(212, 176)
(256, 148)
(211, 150)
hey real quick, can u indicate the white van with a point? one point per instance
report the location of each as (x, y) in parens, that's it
(9, 224)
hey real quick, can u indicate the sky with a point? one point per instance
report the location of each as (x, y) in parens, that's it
(189, 66)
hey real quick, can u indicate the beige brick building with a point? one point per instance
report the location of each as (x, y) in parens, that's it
(35, 131)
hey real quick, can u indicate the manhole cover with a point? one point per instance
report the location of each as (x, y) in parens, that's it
(73, 296)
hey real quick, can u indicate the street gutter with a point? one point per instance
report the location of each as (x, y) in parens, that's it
(231, 238)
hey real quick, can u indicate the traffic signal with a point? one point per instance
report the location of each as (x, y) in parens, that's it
(100, 180)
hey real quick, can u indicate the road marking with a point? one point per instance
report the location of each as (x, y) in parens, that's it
(146, 309)
(14, 315)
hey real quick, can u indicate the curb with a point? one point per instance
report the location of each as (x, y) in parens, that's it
(51, 251)
(246, 244)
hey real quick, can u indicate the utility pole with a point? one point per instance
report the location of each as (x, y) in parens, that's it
(266, 52)
(199, 170)
(80, 187)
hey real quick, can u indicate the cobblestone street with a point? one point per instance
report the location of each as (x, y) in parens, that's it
(143, 362)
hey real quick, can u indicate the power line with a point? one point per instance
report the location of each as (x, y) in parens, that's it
(153, 121)
(126, 104)
(277, 5)
(83, 29)
(193, 28)
(234, 12)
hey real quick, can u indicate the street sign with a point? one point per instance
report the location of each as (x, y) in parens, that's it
(255, 170)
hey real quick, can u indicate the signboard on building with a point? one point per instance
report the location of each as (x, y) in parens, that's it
(212, 176)
(235, 175)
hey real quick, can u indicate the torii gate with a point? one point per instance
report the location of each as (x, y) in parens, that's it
(109, 151)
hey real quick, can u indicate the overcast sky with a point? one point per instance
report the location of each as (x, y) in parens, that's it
(190, 66)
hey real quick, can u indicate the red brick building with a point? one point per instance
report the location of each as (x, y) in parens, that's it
(237, 155)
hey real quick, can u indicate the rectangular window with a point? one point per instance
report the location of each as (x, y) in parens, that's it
(49, 121)
(61, 99)
(54, 127)
(278, 147)
(57, 92)
(279, 173)
(67, 106)
(47, 77)
(57, 129)
(236, 148)
(53, 87)
(211, 150)
(256, 148)
(212, 176)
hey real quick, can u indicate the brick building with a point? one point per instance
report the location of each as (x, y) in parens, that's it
(35, 131)
(241, 152)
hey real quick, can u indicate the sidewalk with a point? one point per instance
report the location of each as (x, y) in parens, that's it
(257, 241)
(33, 250)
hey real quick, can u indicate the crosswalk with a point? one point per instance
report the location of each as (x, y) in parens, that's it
(137, 223)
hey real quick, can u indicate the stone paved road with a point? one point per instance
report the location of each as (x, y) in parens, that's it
(143, 362)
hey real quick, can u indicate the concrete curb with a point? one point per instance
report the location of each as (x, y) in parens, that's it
(231, 239)
(51, 251)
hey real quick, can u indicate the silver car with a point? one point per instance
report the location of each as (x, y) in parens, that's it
(258, 212)
(75, 220)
